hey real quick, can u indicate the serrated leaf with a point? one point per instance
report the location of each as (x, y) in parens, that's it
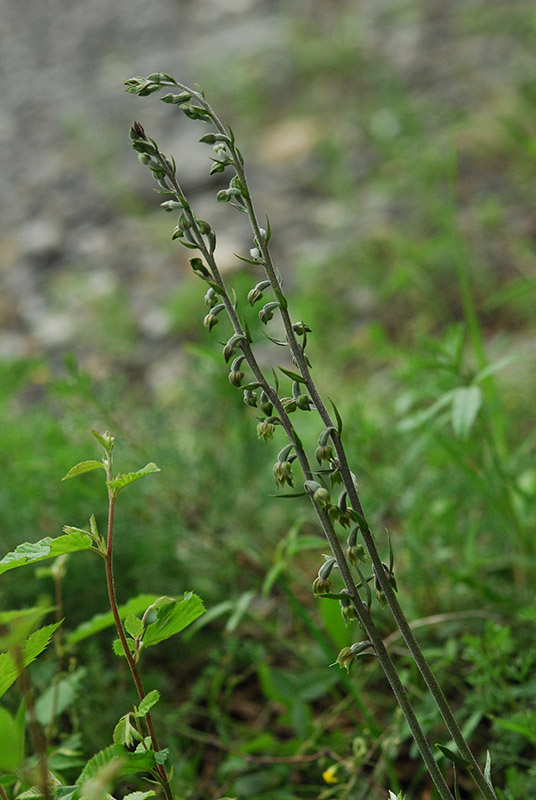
(127, 762)
(140, 795)
(172, 619)
(161, 756)
(294, 375)
(136, 605)
(65, 792)
(466, 402)
(29, 650)
(134, 626)
(147, 703)
(123, 480)
(31, 552)
(83, 466)
(117, 646)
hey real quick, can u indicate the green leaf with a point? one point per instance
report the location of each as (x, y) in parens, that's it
(487, 769)
(139, 795)
(29, 650)
(453, 757)
(136, 605)
(128, 763)
(147, 703)
(105, 440)
(134, 626)
(31, 552)
(58, 697)
(294, 375)
(117, 646)
(281, 297)
(12, 740)
(337, 416)
(284, 496)
(83, 466)
(173, 618)
(466, 401)
(123, 480)
(65, 792)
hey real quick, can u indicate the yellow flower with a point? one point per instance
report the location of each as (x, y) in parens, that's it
(329, 774)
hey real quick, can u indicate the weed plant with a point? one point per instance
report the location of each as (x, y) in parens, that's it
(450, 429)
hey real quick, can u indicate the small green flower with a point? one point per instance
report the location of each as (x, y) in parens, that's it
(283, 473)
(265, 430)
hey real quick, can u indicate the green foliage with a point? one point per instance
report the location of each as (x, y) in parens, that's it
(31, 552)
(443, 447)
(11, 664)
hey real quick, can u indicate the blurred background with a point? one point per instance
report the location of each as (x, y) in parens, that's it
(392, 145)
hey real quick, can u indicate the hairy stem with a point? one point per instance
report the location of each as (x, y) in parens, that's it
(159, 769)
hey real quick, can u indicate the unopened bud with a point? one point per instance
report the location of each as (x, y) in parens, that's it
(322, 497)
(324, 453)
(266, 405)
(356, 554)
(209, 321)
(236, 378)
(250, 398)
(289, 404)
(321, 585)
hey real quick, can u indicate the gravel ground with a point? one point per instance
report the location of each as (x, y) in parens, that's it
(71, 240)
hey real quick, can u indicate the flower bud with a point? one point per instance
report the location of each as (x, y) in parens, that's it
(235, 377)
(250, 398)
(289, 404)
(300, 328)
(209, 321)
(303, 401)
(266, 406)
(347, 610)
(324, 453)
(356, 554)
(321, 585)
(322, 497)
(211, 298)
